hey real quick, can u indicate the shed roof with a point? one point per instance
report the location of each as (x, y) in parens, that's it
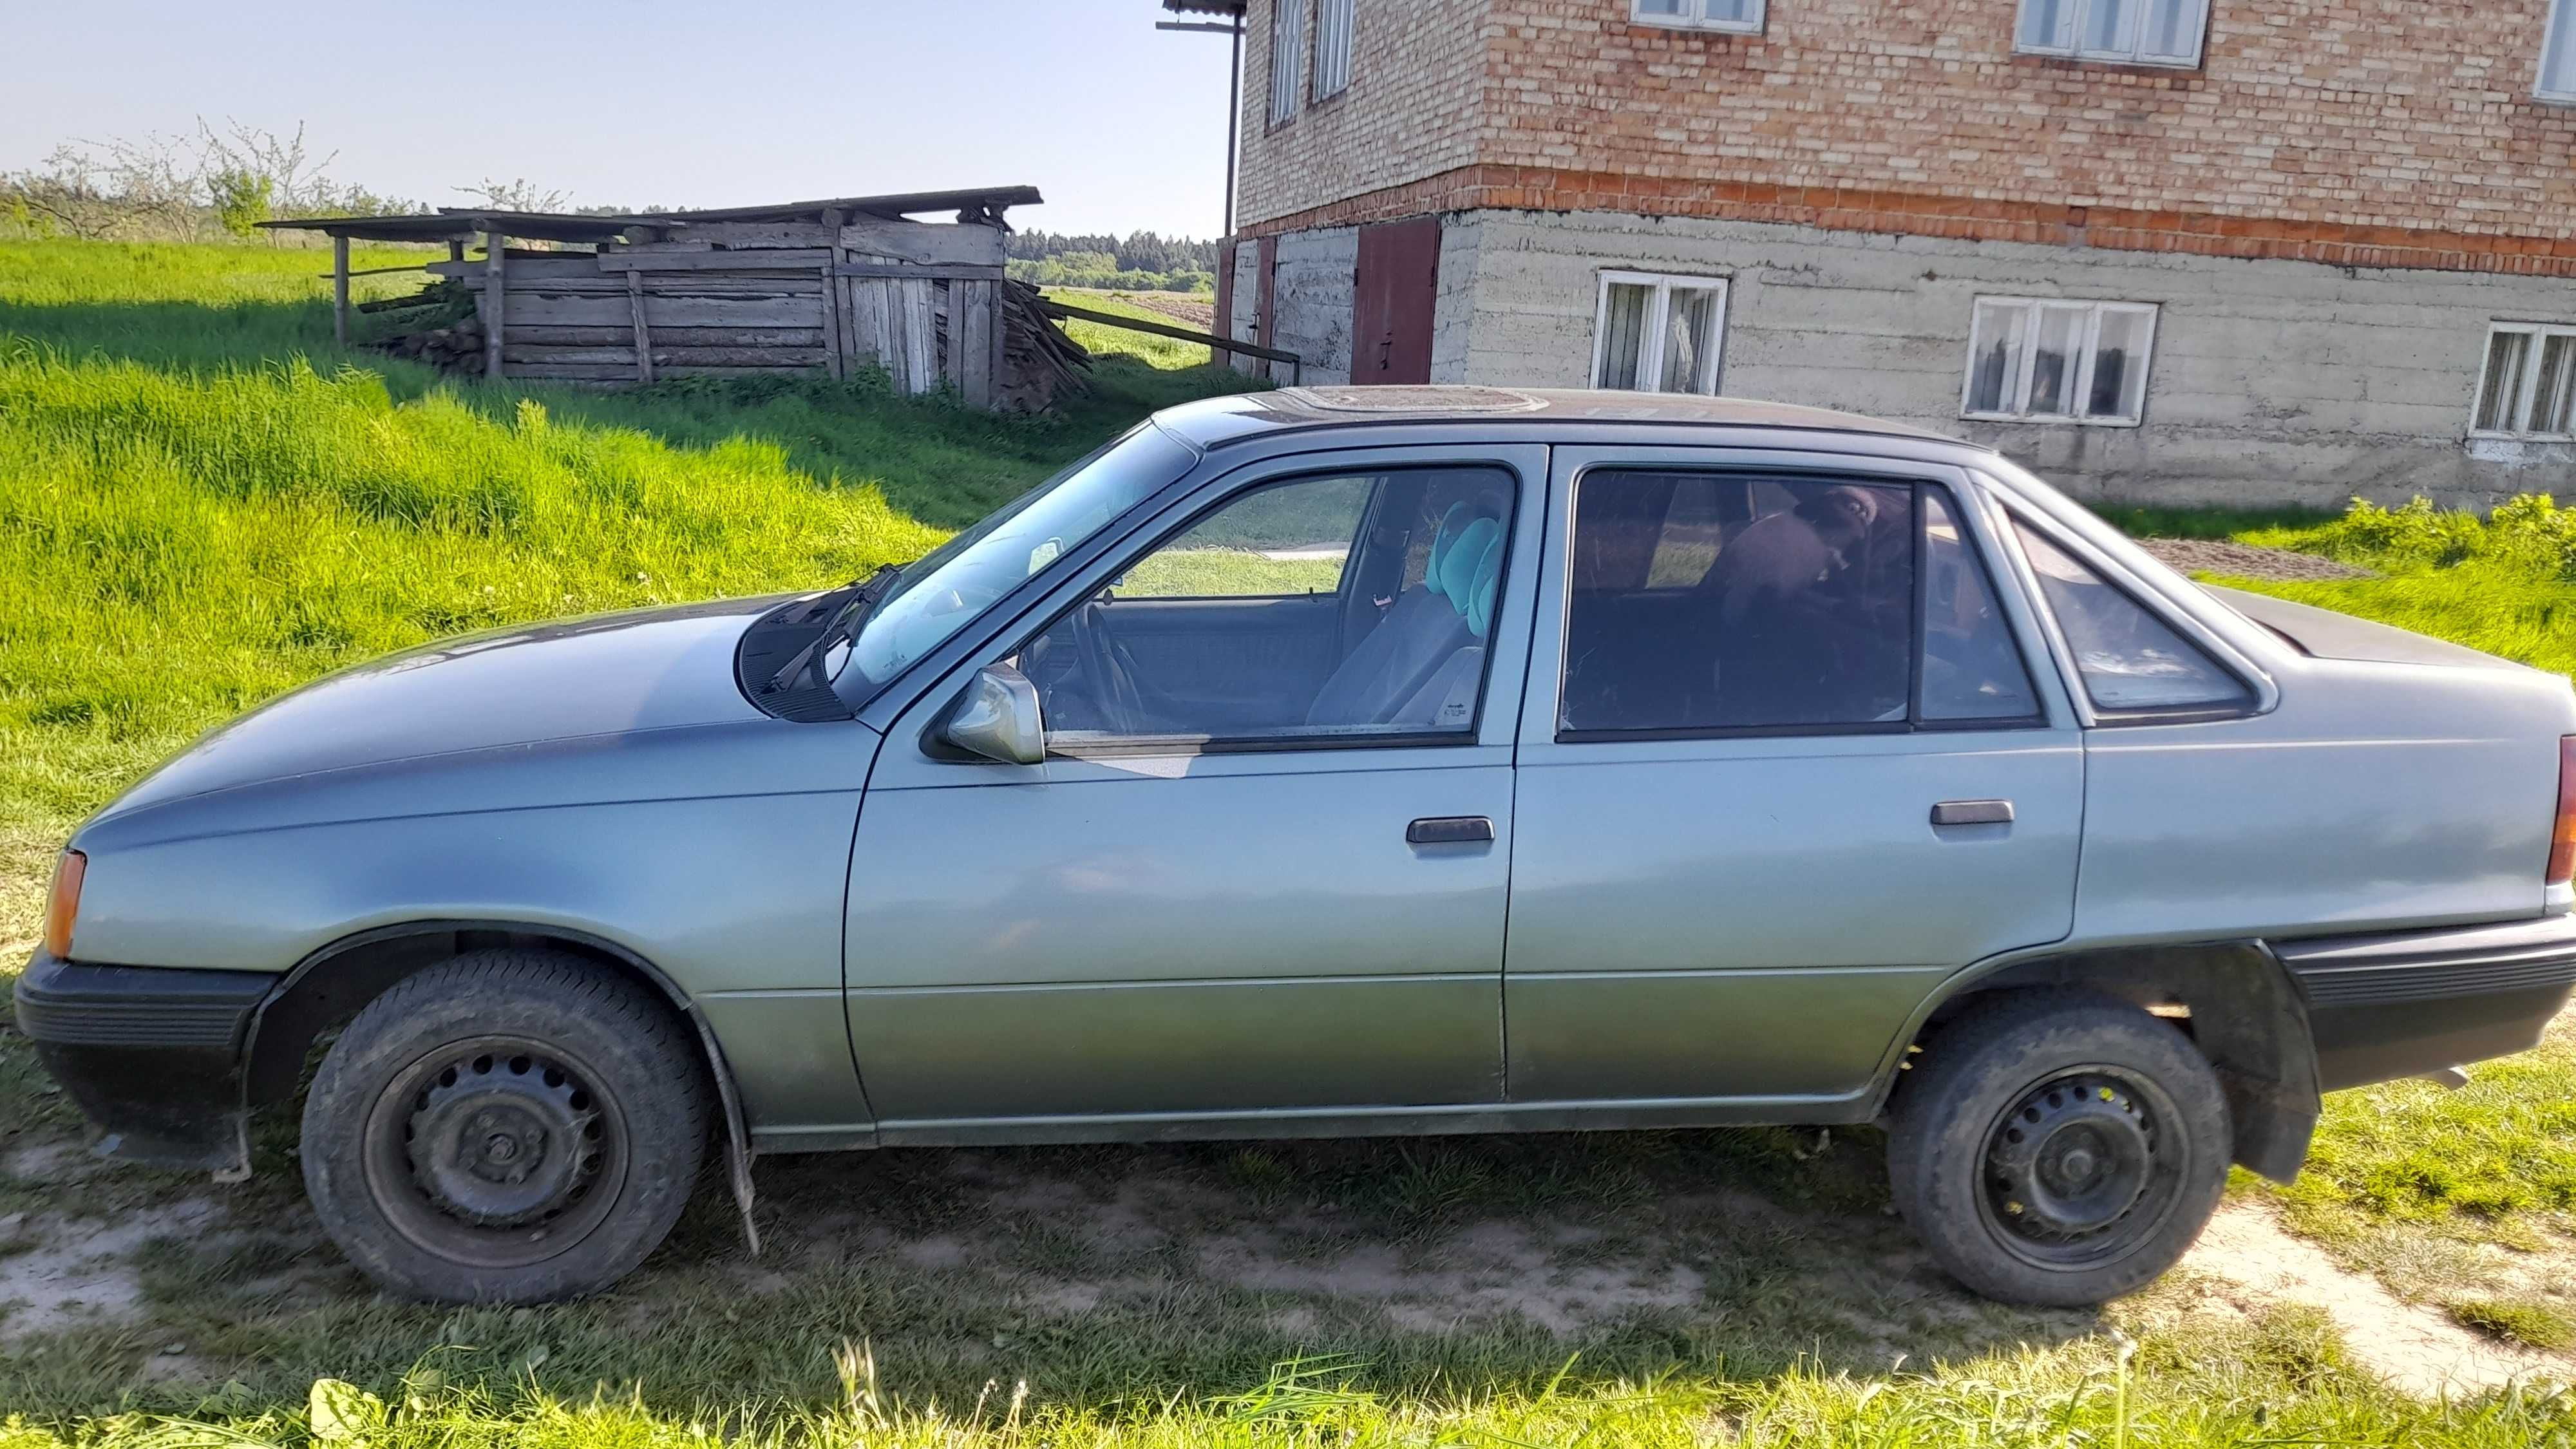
(561, 226)
(1234, 8)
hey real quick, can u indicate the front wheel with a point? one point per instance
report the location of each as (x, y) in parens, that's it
(2058, 1149)
(510, 1126)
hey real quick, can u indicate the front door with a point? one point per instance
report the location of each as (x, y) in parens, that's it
(1259, 882)
(1392, 296)
(1785, 766)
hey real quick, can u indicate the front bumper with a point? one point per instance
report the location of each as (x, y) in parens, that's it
(2411, 1002)
(152, 1055)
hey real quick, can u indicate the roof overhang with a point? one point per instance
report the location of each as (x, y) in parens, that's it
(576, 227)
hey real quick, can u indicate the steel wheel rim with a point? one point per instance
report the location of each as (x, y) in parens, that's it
(495, 1151)
(2083, 1166)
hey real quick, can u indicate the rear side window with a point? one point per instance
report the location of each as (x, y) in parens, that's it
(2130, 660)
(1719, 602)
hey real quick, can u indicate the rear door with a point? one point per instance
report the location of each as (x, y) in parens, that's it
(1786, 762)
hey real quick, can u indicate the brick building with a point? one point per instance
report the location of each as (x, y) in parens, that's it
(2245, 250)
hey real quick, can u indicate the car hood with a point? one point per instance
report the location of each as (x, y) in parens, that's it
(623, 673)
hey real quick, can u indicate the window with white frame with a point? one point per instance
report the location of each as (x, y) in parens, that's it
(2034, 360)
(2558, 53)
(1745, 15)
(1659, 334)
(1287, 57)
(2136, 32)
(1333, 24)
(2528, 387)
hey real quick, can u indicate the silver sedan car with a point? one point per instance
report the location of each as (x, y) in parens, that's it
(1347, 761)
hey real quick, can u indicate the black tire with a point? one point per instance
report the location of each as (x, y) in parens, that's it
(2058, 1148)
(510, 1126)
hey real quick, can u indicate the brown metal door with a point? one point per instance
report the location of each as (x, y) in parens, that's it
(1399, 274)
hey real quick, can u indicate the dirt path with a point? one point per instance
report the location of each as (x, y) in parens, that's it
(2414, 1347)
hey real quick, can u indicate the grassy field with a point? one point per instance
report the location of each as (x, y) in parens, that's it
(201, 503)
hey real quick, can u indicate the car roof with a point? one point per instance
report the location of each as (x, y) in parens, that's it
(1215, 422)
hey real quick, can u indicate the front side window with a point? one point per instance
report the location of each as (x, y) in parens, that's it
(2138, 32)
(1287, 56)
(2558, 53)
(2130, 660)
(1334, 21)
(940, 592)
(2032, 360)
(1659, 334)
(1719, 602)
(1318, 611)
(2527, 389)
(1743, 15)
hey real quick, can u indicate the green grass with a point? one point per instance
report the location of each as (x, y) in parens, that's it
(2532, 1325)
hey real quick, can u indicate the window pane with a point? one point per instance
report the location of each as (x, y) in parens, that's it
(1276, 542)
(1231, 630)
(2119, 386)
(1663, 7)
(2053, 360)
(1287, 54)
(1332, 47)
(2558, 68)
(1689, 331)
(2172, 29)
(1971, 667)
(2109, 25)
(2130, 659)
(2507, 354)
(1735, 12)
(1804, 618)
(1623, 333)
(2553, 407)
(2048, 24)
(1994, 364)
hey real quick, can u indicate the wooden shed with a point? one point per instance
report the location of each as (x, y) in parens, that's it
(832, 285)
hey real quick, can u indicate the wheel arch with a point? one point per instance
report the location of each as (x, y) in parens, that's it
(334, 983)
(2239, 1005)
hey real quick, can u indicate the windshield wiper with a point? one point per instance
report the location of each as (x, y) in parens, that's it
(864, 596)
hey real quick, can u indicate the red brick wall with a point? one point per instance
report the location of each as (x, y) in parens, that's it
(2354, 132)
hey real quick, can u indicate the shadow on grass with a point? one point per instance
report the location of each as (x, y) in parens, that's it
(938, 461)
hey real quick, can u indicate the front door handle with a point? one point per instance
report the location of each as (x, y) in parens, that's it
(1450, 830)
(1973, 812)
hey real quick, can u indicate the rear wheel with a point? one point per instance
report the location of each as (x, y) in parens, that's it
(2058, 1148)
(511, 1126)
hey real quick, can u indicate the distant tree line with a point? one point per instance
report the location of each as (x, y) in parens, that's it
(1141, 261)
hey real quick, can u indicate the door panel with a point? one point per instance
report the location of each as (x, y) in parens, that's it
(1708, 912)
(1394, 290)
(1757, 918)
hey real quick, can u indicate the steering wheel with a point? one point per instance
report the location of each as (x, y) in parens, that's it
(1113, 686)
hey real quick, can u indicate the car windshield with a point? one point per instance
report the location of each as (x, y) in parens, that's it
(964, 576)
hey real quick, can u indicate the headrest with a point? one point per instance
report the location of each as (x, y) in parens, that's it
(1480, 594)
(1451, 524)
(1456, 576)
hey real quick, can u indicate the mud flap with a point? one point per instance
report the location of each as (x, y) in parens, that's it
(737, 1130)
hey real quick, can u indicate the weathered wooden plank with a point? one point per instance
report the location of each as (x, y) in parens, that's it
(664, 357)
(921, 334)
(872, 322)
(660, 311)
(496, 299)
(623, 337)
(906, 271)
(835, 332)
(970, 334)
(643, 331)
(743, 261)
(836, 356)
(340, 290)
(742, 371)
(621, 372)
(741, 234)
(999, 326)
(926, 242)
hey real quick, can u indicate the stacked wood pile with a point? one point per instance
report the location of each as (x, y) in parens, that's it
(1040, 365)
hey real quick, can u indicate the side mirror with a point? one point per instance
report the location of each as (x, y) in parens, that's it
(998, 718)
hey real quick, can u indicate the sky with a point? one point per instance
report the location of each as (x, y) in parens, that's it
(661, 102)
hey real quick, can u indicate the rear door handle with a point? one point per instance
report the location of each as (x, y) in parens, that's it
(1973, 812)
(1450, 830)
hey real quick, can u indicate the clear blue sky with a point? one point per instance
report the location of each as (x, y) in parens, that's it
(644, 102)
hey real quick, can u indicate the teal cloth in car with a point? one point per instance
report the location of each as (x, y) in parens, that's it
(1443, 539)
(1480, 596)
(1455, 575)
